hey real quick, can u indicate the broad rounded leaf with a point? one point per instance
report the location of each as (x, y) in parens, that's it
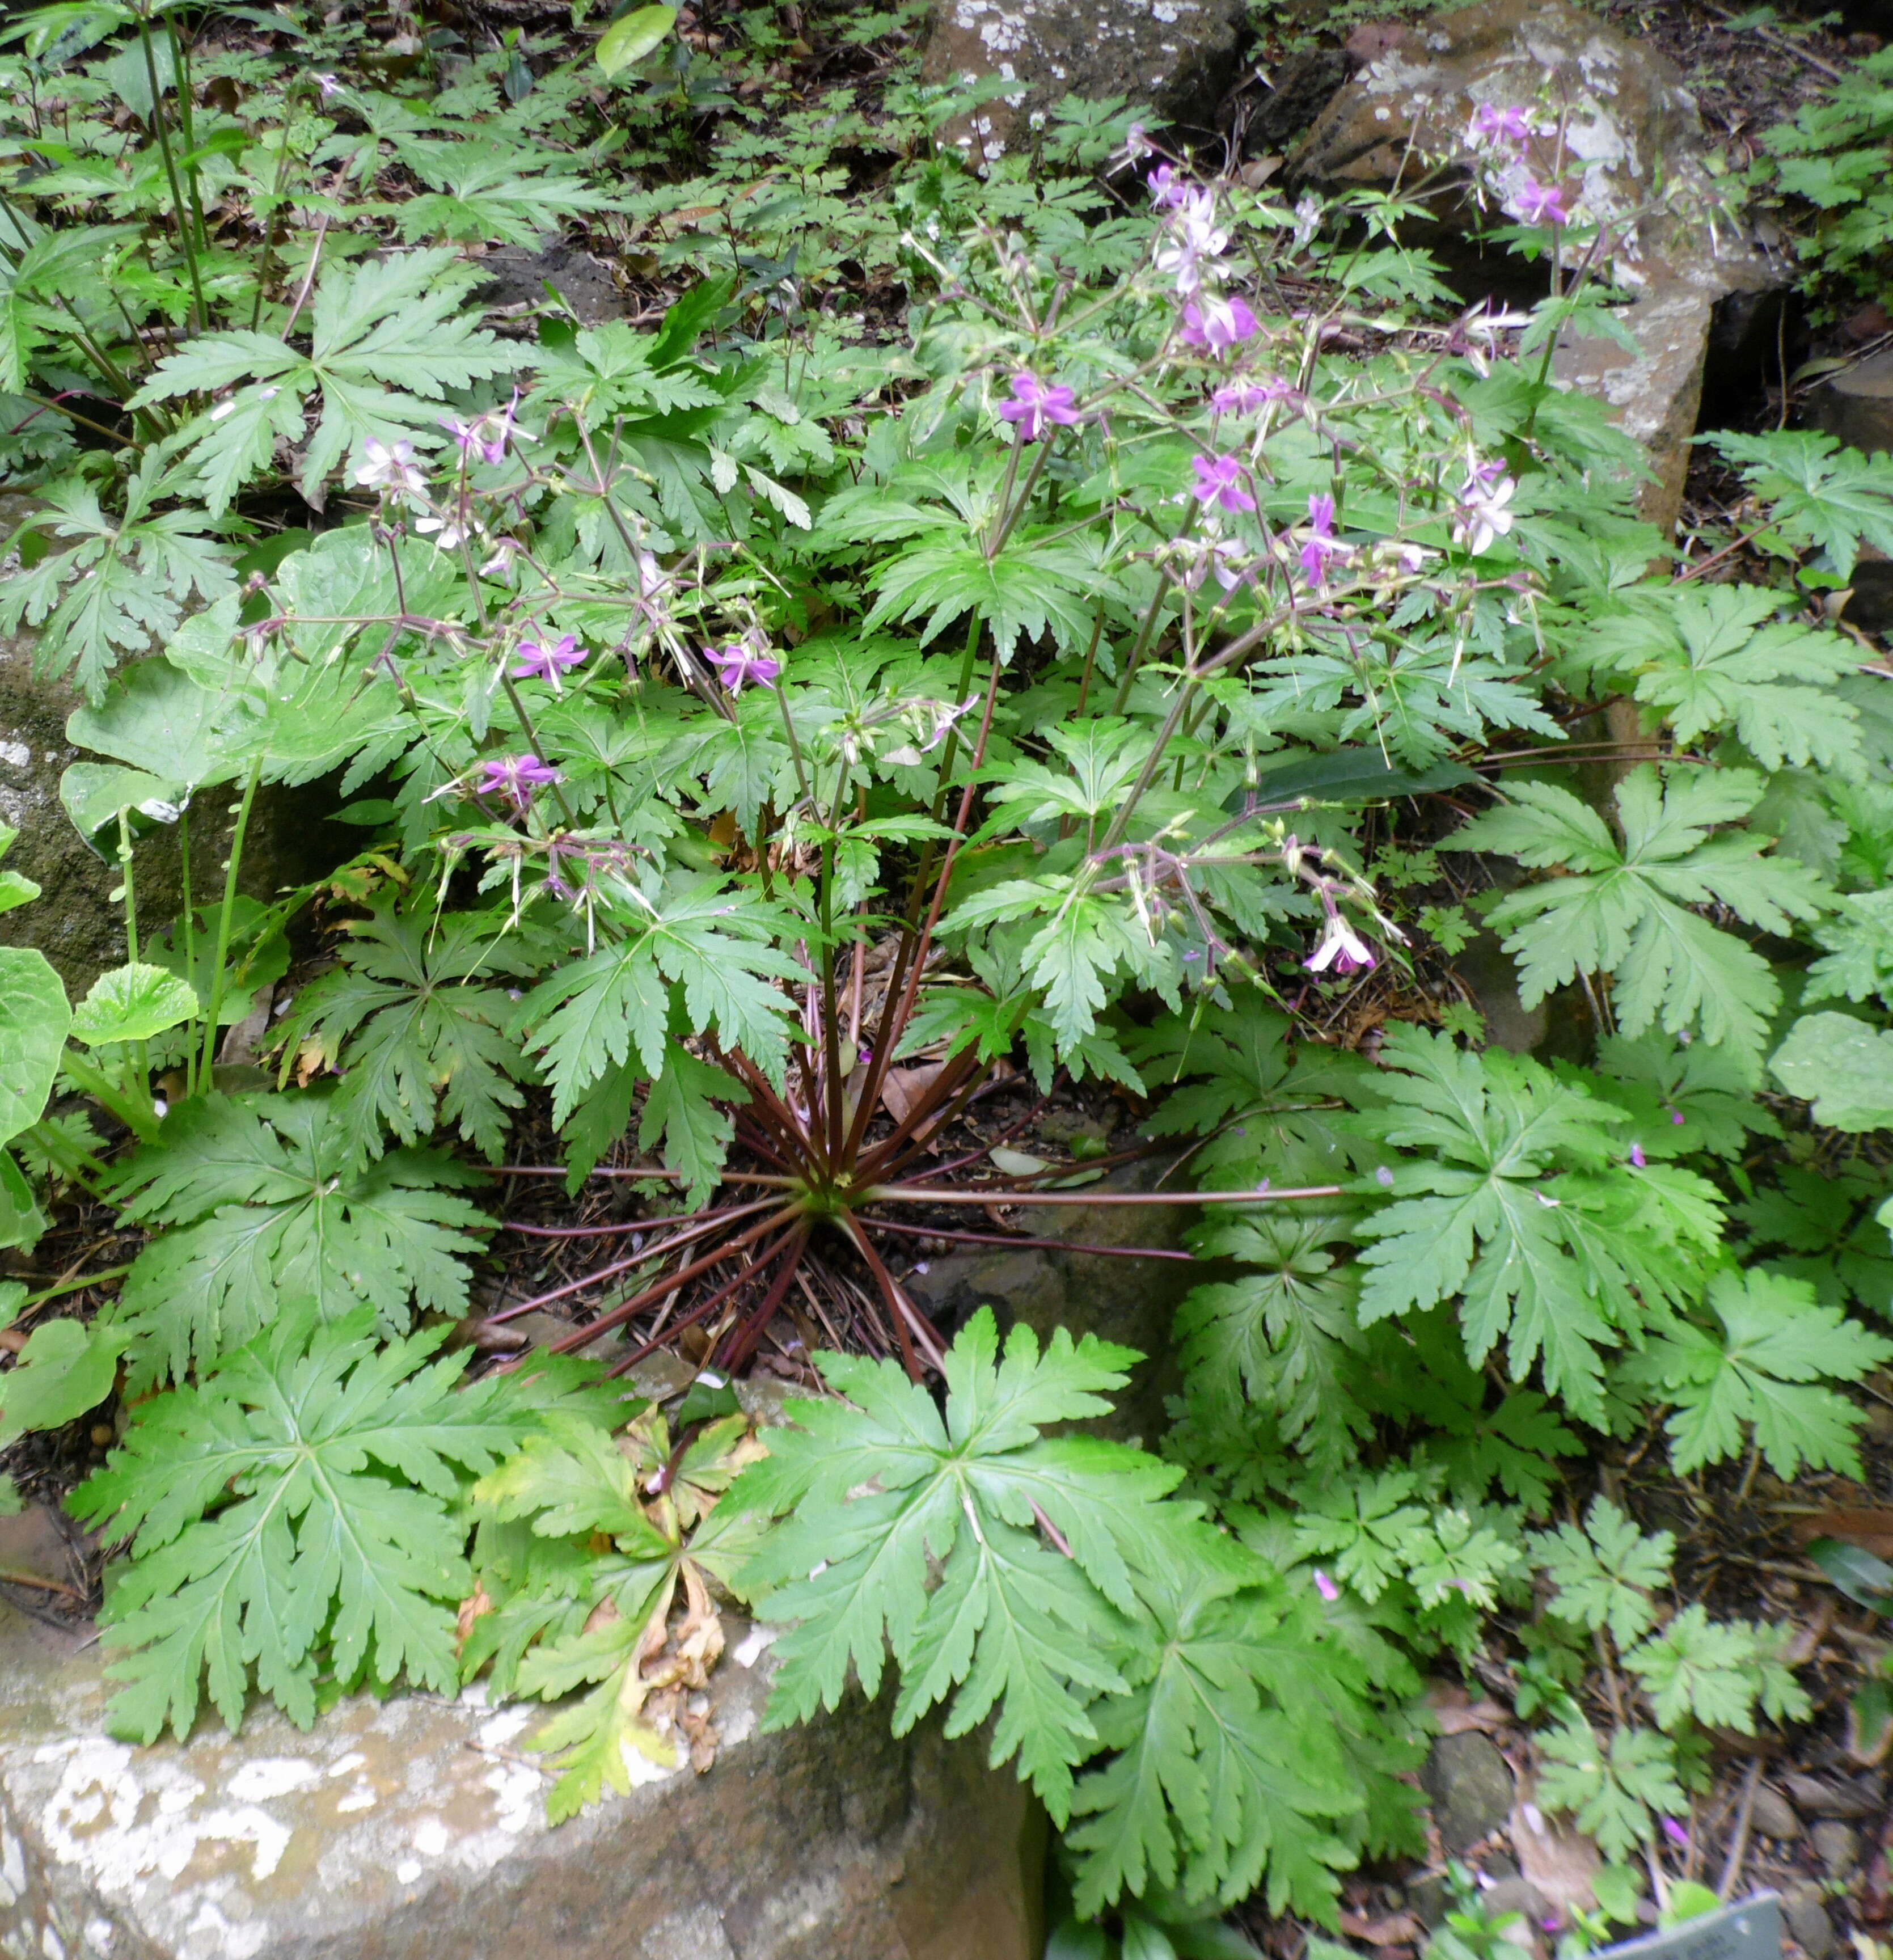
(132, 1004)
(33, 1019)
(65, 1368)
(632, 38)
(1844, 1066)
(94, 793)
(158, 719)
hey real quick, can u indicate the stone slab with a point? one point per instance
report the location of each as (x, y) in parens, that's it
(1655, 393)
(1856, 405)
(414, 1829)
(1178, 55)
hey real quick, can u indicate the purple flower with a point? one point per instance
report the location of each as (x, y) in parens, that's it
(539, 663)
(1322, 544)
(1341, 947)
(1326, 1586)
(1494, 124)
(1219, 481)
(1542, 204)
(1677, 1116)
(1483, 514)
(1675, 1834)
(515, 777)
(737, 665)
(487, 436)
(1034, 406)
(1637, 1156)
(1217, 324)
(1168, 190)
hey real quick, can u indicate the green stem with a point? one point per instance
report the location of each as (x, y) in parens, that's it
(232, 866)
(125, 888)
(180, 207)
(186, 933)
(187, 123)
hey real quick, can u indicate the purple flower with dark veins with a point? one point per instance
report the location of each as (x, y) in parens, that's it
(1542, 204)
(1034, 407)
(1491, 124)
(1219, 481)
(515, 777)
(1322, 544)
(542, 662)
(737, 665)
(1217, 324)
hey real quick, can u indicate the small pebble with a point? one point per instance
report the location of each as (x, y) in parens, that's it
(1773, 1816)
(1805, 1911)
(1837, 1846)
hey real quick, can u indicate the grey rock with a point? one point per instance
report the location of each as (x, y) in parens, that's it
(1805, 1910)
(1178, 55)
(1773, 1816)
(1633, 155)
(1127, 1300)
(517, 277)
(1472, 1788)
(1430, 1899)
(413, 1829)
(1655, 390)
(1630, 125)
(74, 921)
(1837, 1845)
(1856, 405)
(1833, 1796)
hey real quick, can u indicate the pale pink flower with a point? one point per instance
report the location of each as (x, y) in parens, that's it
(737, 665)
(1542, 204)
(1341, 947)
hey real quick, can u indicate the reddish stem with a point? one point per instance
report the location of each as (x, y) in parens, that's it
(741, 1344)
(704, 1224)
(902, 1309)
(701, 1311)
(1039, 1245)
(583, 1337)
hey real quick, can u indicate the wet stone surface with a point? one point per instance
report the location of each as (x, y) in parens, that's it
(415, 1828)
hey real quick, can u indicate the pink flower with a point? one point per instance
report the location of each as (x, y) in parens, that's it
(487, 436)
(1675, 1834)
(1219, 481)
(1218, 325)
(737, 665)
(1326, 1586)
(1637, 1156)
(539, 663)
(1492, 125)
(1677, 1116)
(1341, 947)
(515, 777)
(1542, 204)
(1484, 512)
(1034, 406)
(1322, 544)
(1167, 189)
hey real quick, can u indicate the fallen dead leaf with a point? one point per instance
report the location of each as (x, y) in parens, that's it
(470, 1611)
(1487, 1717)
(1560, 1862)
(902, 1089)
(1396, 1929)
(1868, 1526)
